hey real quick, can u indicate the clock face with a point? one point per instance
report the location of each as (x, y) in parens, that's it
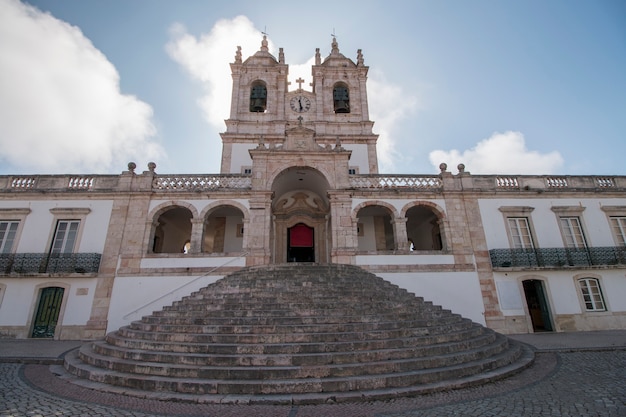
(300, 104)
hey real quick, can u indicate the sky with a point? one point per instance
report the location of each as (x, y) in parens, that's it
(505, 87)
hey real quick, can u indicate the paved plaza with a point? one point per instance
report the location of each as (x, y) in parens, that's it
(569, 378)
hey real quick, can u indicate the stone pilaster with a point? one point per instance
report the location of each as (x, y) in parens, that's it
(125, 235)
(344, 240)
(258, 241)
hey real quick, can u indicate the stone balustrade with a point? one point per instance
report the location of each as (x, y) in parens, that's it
(201, 182)
(384, 181)
(372, 182)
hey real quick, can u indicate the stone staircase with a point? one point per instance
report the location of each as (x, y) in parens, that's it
(297, 333)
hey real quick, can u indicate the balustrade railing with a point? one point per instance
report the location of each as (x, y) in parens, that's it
(395, 181)
(49, 263)
(558, 257)
(201, 182)
(80, 183)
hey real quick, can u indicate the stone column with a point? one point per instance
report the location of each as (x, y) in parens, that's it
(197, 229)
(399, 231)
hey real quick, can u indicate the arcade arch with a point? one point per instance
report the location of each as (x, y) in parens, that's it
(375, 228)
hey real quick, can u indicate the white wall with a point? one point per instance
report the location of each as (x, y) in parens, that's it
(240, 157)
(455, 291)
(20, 299)
(132, 293)
(39, 224)
(359, 156)
(547, 233)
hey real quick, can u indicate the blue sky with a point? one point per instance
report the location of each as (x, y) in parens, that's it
(511, 87)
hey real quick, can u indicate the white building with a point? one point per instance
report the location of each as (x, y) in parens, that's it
(83, 255)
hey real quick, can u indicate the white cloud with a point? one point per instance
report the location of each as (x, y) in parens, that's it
(61, 108)
(206, 59)
(384, 109)
(502, 153)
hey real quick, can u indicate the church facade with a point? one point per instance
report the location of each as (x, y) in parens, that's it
(82, 255)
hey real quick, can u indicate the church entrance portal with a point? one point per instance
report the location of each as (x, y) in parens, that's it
(300, 243)
(300, 217)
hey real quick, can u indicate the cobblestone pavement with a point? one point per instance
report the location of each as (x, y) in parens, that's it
(585, 383)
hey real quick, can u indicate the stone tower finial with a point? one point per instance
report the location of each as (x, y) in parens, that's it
(281, 56)
(318, 56)
(335, 46)
(238, 55)
(359, 58)
(264, 47)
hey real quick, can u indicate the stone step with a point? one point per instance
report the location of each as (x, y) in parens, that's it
(467, 333)
(283, 370)
(246, 338)
(254, 327)
(298, 332)
(292, 358)
(327, 387)
(178, 319)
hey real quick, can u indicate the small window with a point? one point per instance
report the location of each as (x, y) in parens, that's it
(8, 231)
(65, 236)
(258, 97)
(592, 294)
(341, 98)
(247, 171)
(352, 171)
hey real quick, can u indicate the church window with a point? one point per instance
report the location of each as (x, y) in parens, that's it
(341, 98)
(258, 97)
(592, 294)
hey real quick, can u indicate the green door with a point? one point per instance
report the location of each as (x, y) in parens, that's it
(47, 312)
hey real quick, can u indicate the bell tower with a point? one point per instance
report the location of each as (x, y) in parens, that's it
(264, 111)
(342, 112)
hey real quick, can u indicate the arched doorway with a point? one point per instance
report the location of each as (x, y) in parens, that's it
(300, 215)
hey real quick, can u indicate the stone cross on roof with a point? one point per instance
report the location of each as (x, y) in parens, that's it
(300, 81)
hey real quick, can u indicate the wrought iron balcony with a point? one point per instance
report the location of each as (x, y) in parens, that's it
(557, 257)
(49, 263)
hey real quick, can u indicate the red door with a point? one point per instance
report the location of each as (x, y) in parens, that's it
(300, 247)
